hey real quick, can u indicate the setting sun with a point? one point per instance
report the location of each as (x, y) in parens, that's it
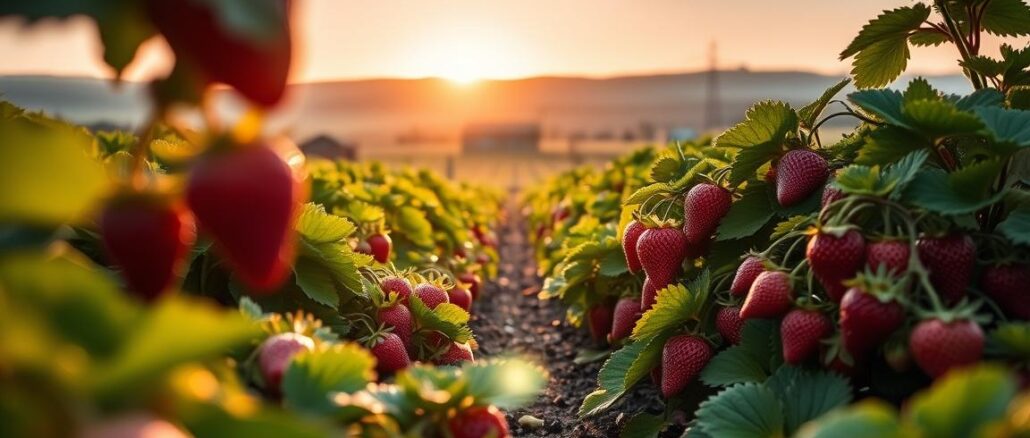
(463, 60)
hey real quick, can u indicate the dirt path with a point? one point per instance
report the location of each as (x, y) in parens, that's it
(510, 319)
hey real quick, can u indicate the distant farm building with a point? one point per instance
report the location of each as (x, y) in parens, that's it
(324, 146)
(500, 137)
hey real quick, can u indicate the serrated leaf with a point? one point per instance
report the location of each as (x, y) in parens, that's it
(733, 365)
(927, 37)
(984, 65)
(666, 169)
(809, 113)
(643, 194)
(613, 264)
(315, 225)
(859, 179)
(759, 136)
(413, 224)
(746, 410)
(963, 191)
(675, 306)
(890, 24)
(1006, 18)
(963, 402)
(316, 282)
(869, 418)
(1018, 97)
(888, 144)
(1016, 225)
(748, 214)
(643, 425)
(446, 321)
(791, 224)
(881, 48)
(883, 104)
(621, 371)
(1006, 126)
(985, 97)
(919, 89)
(313, 377)
(806, 395)
(895, 177)
(939, 118)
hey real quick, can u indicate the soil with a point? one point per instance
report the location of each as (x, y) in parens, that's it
(508, 318)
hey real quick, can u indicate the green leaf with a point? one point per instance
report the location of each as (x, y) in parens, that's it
(505, 383)
(1011, 339)
(869, 418)
(666, 169)
(888, 144)
(1016, 225)
(859, 179)
(734, 365)
(675, 306)
(760, 137)
(746, 410)
(313, 377)
(446, 318)
(919, 89)
(1007, 18)
(963, 403)
(791, 224)
(413, 224)
(882, 104)
(881, 48)
(806, 395)
(212, 420)
(621, 371)
(317, 226)
(613, 264)
(643, 425)
(316, 282)
(939, 118)
(984, 65)
(927, 38)
(748, 214)
(810, 113)
(761, 337)
(963, 191)
(1006, 126)
(251, 309)
(890, 24)
(1018, 97)
(648, 192)
(896, 177)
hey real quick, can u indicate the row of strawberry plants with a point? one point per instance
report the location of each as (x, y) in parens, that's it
(780, 278)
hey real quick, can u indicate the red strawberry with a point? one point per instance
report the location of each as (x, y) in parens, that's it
(275, 355)
(599, 318)
(835, 259)
(257, 67)
(799, 174)
(649, 296)
(950, 260)
(456, 354)
(746, 274)
(800, 333)
(460, 297)
(661, 252)
(627, 312)
(1009, 286)
(703, 209)
(381, 246)
(247, 198)
(473, 281)
(479, 422)
(729, 324)
(391, 354)
(559, 214)
(396, 285)
(769, 297)
(683, 357)
(866, 320)
(431, 295)
(399, 317)
(891, 254)
(938, 346)
(148, 239)
(629, 244)
(830, 195)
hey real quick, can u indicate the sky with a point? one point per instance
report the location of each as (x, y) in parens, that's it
(466, 40)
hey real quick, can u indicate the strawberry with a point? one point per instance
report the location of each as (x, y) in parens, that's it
(398, 317)
(363, 247)
(769, 297)
(939, 346)
(479, 422)
(746, 274)
(148, 239)
(380, 244)
(703, 208)
(1009, 286)
(599, 318)
(661, 252)
(950, 260)
(391, 354)
(460, 297)
(729, 324)
(256, 67)
(649, 295)
(247, 198)
(835, 259)
(891, 254)
(683, 357)
(398, 285)
(867, 319)
(627, 312)
(275, 354)
(456, 354)
(830, 195)
(801, 332)
(473, 281)
(799, 174)
(431, 295)
(629, 244)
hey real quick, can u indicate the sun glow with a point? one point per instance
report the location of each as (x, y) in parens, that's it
(464, 60)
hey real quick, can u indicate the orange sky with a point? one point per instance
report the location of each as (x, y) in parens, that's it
(472, 39)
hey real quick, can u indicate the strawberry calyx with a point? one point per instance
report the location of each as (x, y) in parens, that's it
(654, 221)
(837, 231)
(881, 285)
(965, 310)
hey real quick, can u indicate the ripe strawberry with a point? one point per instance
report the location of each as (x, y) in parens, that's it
(629, 244)
(247, 198)
(799, 174)
(473, 281)
(835, 259)
(938, 346)
(479, 422)
(866, 320)
(891, 254)
(258, 69)
(683, 357)
(830, 195)
(148, 239)
(599, 318)
(1009, 286)
(661, 252)
(380, 244)
(275, 354)
(460, 297)
(391, 354)
(649, 295)
(400, 286)
(950, 260)
(729, 324)
(399, 317)
(800, 334)
(431, 295)
(456, 354)
(769, 297)
(703, 208)
(627, 312)
(746, 274)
